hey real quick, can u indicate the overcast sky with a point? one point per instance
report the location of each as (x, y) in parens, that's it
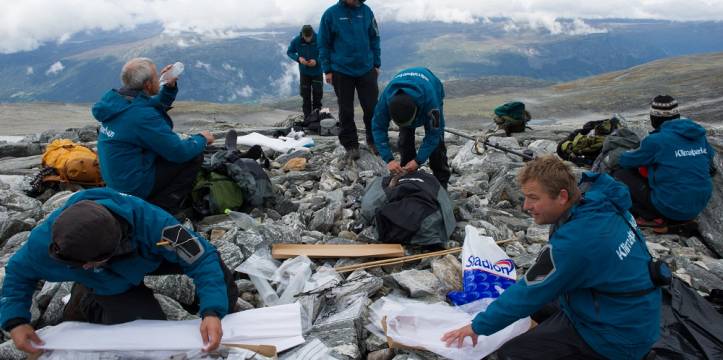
(27, 24)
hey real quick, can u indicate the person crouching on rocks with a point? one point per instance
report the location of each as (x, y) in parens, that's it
(595, 267)
(138, 151)
(669, 176)
(107, 242)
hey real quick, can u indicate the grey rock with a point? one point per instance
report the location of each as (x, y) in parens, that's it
(277, 234)
(359, 283)
(173, 310)
(17, 165)
(325, 218)
(699, 246)
(383, 354)
(53, 314)
(341, 328)
(248, 241)
(710, 221)
(515, 224)
(542, 147)
(230, 253)
(369, 235)
(56, 201)
(19, 183)
(534, 249)
(537, 233)
(504, 187)
(46, 293)
(8, 351)
(703, 279)
(178, 287)
(88, 133)
(244, 305)
(419, 283)
(245, 285)
(449, 272)
(283, 159)
(374, 343)
(11, 246)
(515, 249)
(715, 266)
(20, 150)
(524, 261)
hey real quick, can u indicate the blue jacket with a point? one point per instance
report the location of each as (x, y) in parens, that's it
(428, 94)
(133, 133)
(300, 48)
(349, 40)
(592, 249)
(678, 158)
(32, 262)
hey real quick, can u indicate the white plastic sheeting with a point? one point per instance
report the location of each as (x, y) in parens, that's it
(294, 141)
(421, 325)
(279, 326)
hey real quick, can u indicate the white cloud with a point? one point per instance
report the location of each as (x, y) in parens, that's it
(55, 68)
(284, 85)
(24, 27)
(202, 65)
(246, 91)
(29, 70)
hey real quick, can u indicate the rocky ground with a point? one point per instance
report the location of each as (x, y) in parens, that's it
(321, 204)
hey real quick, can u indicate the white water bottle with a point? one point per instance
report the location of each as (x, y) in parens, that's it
(174, 72)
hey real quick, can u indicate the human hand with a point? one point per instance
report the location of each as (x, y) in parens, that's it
(394, 167)
(311, 63)
(302, 60)
(459, 335)
(209, 137)
(329, 78)
(411, 166)
(211, 332)
(25, 339)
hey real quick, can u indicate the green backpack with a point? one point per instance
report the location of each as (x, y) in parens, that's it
(214, 193)
(582, 146)
(512, 117)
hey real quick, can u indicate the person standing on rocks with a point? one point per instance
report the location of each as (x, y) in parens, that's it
(304, 50)
(669, 176)
(138, 151)
(595, 265)
(107, 242)
(350, 53)
(414, 98)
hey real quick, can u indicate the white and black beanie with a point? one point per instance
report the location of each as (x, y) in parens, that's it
(662, 109)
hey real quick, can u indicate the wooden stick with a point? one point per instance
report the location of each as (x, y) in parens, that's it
(405, 259)
(264, 350)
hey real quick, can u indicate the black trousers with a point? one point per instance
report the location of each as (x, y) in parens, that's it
(173, 183)
(368, 91)
(135, 304)
(554, 338)
(639, 192)
(437, 160)
(311, 87)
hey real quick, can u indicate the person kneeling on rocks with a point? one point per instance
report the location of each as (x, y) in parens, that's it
(107, 242)
(669, 176)
(138, 151)
(596, 265)
(414, 98)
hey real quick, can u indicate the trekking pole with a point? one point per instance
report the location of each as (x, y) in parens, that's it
(526, 155)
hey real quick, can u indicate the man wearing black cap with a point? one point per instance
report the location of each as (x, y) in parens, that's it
(350, 53)
(414, 98)
(107, 242)
(304, 50)
(669, 176)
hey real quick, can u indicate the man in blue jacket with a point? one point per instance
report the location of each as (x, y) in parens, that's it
(595, 265)
(414, 98)
(304, 50)
(107, 242)
(350, 57)
(669, 176)
(138, 151)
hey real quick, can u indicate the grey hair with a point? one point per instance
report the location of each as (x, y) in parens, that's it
(136, 72)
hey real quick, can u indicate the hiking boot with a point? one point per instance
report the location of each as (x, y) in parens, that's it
(353, 153)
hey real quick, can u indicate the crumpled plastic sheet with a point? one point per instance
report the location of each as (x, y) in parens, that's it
(418, 324)
(282, 144)
(279, 326)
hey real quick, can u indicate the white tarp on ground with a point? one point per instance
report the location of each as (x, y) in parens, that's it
(283, 144)
(417, 324)
(279, 326)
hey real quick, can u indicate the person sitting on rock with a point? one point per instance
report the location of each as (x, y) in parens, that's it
(138, 151)
(107, 242)
(595, 265)
(669, 176)
(304, 50)
(414, 98)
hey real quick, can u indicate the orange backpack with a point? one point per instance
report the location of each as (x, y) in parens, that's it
(72, 162)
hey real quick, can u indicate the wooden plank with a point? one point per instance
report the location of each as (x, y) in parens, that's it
(325, 251)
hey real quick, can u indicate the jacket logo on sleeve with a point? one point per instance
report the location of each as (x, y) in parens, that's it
(187, 247)
(627, 245)
(106, 131)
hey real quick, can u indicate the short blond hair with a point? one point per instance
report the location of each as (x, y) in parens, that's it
(552, 174)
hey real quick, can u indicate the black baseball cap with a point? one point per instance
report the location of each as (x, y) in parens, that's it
(85, 232)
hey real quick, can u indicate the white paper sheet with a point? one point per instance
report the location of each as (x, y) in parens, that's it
(282, 144)
(279, 326)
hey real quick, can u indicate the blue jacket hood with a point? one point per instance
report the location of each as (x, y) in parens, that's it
(602, 193)
(685, 128)
(112, 104)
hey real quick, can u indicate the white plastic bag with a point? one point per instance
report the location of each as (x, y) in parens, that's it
(487, 272)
